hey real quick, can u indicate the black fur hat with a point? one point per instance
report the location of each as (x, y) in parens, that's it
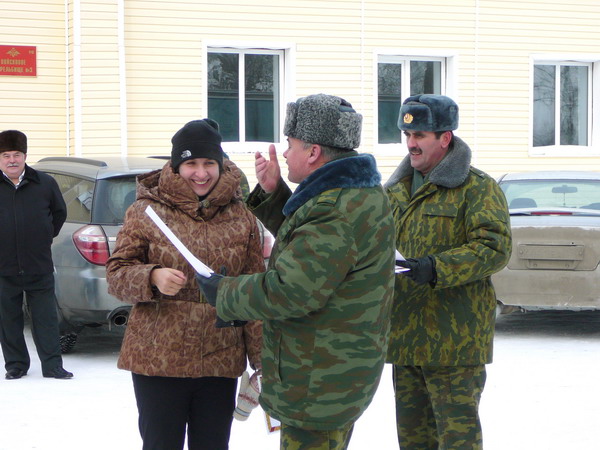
(13, 141)
(197, 139)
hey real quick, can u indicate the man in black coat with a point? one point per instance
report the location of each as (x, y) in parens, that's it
(32, 212)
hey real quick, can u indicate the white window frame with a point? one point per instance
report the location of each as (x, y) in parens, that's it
(286, 51)
(449, 84)
(569, 151)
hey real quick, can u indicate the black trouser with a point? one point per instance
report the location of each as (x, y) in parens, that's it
(44, 321)
(166, 405)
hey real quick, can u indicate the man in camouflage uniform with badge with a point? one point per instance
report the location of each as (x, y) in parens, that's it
(326, 295)
(452, 226)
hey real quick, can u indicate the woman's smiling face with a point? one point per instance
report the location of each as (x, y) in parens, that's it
(201, 174)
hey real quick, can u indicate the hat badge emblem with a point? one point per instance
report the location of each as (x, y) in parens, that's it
(186, 154)
(408, 118)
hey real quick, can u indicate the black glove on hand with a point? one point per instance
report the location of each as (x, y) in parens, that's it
(422, 270)
(209, 287)
(220, 323)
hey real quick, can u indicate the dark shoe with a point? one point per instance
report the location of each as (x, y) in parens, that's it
(15, 374)
(59, 373)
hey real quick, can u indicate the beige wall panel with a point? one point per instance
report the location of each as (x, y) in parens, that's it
(100, 102)
(334, 45)
(503, 94)
(36, 105)
(158, 107)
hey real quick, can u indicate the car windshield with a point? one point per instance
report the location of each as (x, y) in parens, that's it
(112, 198)
(580, 194)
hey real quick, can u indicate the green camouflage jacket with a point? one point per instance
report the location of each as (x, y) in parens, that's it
(460, 217)
(325, 297)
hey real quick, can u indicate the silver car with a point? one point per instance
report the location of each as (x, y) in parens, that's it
(97, 193)
(555, 221)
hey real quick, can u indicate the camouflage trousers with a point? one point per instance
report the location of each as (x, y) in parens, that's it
(293, 438)
(437, 408)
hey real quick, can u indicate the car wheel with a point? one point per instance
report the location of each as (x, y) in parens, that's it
(67, 342)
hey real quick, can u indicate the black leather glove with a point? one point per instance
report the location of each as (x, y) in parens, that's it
(209, 287)
(422, 270)
(220, 323)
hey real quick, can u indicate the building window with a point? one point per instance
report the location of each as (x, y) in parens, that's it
(244, 93)
(561, 104)
(400, 77)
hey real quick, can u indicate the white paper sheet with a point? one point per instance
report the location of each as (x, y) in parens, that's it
(399, 257)
(198, 265)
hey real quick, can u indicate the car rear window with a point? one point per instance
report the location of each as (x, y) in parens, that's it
(112, 198)
(584, 194)
(77, 193)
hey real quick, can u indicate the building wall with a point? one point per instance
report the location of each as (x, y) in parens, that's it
(136, 70)
(509, 33)
(36, 105)
(96, 118)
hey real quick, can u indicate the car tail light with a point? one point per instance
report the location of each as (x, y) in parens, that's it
(551, 213)
(92, 244)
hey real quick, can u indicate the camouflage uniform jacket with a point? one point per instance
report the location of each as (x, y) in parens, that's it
(325, 297)
(460, 217)
(175, 336)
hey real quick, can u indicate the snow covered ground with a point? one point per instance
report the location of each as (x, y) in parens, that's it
(542, 393)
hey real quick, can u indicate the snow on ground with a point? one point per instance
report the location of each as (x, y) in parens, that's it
(541, 394)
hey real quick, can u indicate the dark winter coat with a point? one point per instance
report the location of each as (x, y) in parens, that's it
(460, 217)
(325, 297)
(175, 336)
(30, 217)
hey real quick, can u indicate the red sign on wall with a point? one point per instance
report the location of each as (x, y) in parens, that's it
(18, 60)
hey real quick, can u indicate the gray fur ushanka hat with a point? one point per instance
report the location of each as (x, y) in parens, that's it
(428, 112)
(325, 120)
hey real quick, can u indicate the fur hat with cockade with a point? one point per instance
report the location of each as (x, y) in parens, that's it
(428, 112)
(13, 141)
(197, 139)
(325, 120)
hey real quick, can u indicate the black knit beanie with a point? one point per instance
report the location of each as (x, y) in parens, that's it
(197, 139)
(13, 141)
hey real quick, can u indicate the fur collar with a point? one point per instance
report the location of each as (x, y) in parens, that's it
(350, 172)
(451, 172)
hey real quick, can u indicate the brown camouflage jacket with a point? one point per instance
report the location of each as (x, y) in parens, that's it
(175, 336)
(460, 217)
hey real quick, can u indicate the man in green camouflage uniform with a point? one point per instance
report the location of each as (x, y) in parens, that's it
(326, 295)
(452, 226)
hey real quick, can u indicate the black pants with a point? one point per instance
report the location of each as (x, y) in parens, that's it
(166, 405)
(44, 321)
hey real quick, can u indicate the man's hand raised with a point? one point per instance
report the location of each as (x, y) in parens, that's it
(268, 171)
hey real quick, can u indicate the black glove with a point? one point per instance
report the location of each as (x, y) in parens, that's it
(422, 270)
(209, 287)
